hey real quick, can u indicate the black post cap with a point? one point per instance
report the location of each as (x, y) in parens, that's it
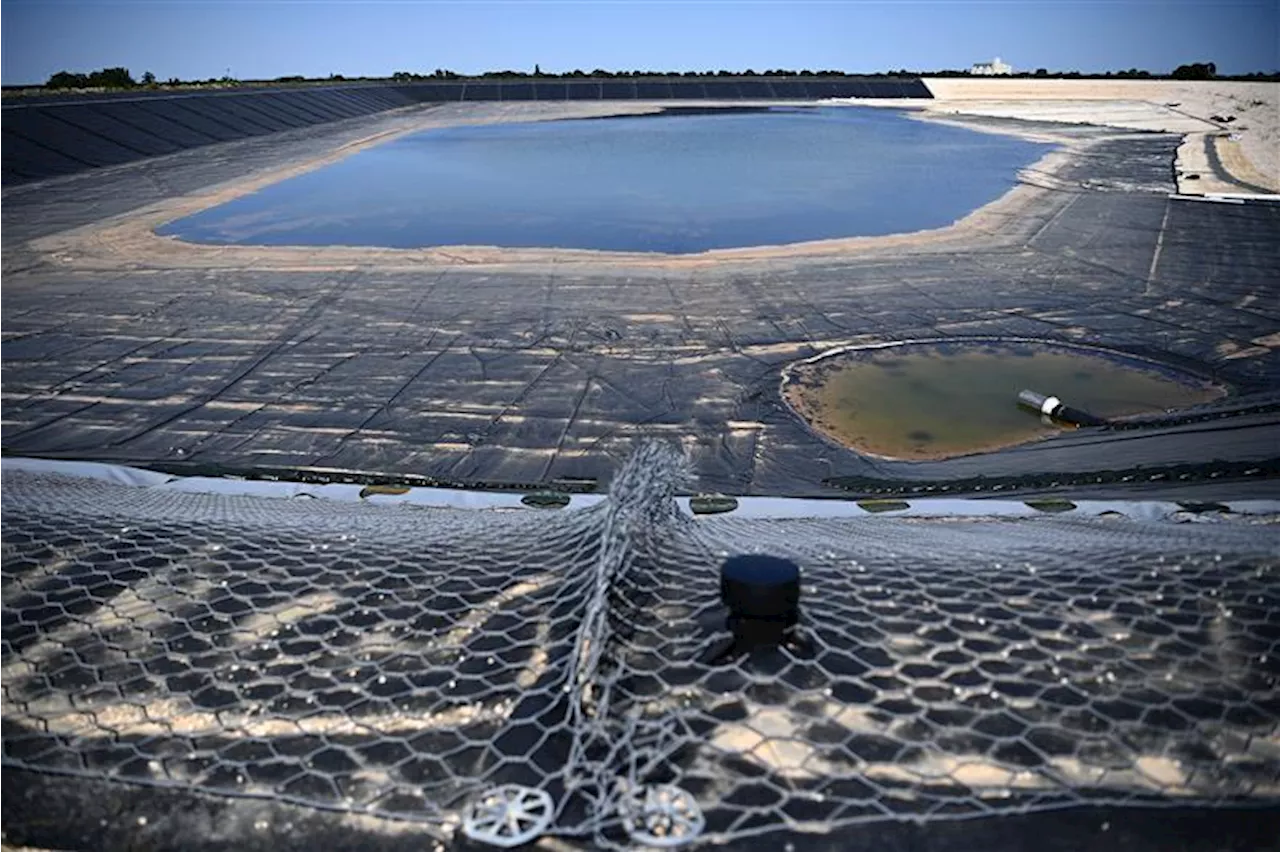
(758, 587)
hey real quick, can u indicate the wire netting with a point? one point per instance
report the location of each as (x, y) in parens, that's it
(399, 662)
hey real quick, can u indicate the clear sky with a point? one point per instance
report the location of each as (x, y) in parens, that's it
(258, 39)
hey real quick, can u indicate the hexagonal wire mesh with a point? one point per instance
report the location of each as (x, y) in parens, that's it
(400, 661)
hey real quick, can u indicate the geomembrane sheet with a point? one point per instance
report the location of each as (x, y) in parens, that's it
(204, 114)
(396, 662)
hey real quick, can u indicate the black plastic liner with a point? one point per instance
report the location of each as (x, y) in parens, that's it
(195, 670)
(47, 135)
(489, 377)
(105, 816)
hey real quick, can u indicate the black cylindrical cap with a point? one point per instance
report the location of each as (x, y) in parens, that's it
(1078, 417)
(757, 587)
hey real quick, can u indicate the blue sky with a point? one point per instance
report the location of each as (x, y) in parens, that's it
(271, 38)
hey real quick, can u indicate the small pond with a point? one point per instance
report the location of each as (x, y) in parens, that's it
(921, 401)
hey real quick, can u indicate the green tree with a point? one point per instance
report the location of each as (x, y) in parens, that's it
(67, 80)
(112, 78)
(117, 78)
(148, 79)
(1195, 71)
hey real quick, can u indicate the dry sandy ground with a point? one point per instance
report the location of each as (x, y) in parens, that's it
(1248, 147)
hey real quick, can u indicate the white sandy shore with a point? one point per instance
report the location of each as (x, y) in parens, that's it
(1247, 147)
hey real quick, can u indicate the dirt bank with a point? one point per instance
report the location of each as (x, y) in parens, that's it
(1247, 147)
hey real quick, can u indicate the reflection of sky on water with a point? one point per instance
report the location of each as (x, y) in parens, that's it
(671, 184)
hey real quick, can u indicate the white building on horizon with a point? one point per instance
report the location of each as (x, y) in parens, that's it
(995, 68)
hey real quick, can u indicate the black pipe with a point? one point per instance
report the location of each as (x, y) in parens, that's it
(1051, 406)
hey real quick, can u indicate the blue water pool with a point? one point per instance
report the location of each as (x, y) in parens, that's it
(669, 183)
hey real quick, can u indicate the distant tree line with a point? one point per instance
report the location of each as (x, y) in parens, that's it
(539, 74)
(1195, 71)
(107, 78)
(120, 78)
